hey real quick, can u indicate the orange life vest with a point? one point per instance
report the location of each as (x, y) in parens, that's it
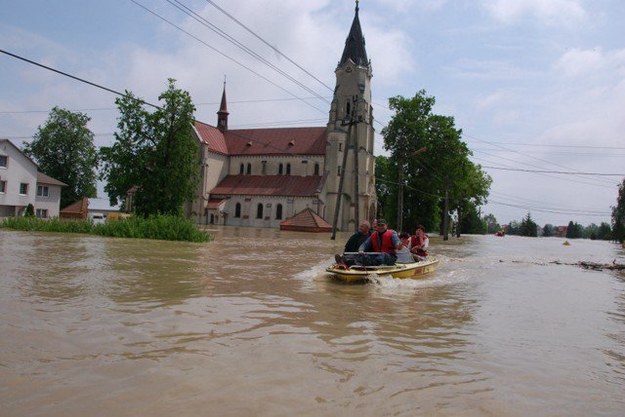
(387, 242)
(416, 241)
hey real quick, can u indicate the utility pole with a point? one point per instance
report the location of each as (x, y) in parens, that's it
(400, 188)
(339, 197)
(446, 213)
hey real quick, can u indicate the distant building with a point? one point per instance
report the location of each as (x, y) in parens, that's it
(260, 177)
(22, 184)
(560, 231)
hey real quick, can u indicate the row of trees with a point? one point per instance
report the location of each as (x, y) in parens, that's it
(574, 230)
(428, 175)
(153, 152)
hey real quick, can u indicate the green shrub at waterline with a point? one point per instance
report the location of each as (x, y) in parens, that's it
(153, 227)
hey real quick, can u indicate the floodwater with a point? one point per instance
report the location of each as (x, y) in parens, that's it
(251, 325)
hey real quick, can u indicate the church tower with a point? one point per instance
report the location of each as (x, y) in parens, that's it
(350, 164)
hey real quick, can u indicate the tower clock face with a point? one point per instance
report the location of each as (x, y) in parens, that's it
(348, 69)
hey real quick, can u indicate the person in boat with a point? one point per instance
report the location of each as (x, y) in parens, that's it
(353, 243)
(419, 243)
(384, 242)
(403, 254)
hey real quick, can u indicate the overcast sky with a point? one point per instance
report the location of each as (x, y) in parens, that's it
(535, 85)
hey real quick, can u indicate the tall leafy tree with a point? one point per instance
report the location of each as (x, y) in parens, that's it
(63, 148)
(618, 215)
(154, 154)
(431, 162)
(548, 230)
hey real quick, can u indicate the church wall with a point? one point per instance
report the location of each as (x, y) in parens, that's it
(301, 165)
(248, 216)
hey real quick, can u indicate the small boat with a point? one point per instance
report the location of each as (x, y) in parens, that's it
(361, 273)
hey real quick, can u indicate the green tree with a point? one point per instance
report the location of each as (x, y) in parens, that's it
(154, 152)
(548, 230)
(491, 224)
(431, 162)
(513, 228)
(63, 148)
(528, 227)
(30, 211)
(618, 215)
(574, 230)
(604, 232)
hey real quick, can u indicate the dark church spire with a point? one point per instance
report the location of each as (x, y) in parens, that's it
(222, 114)
(355, 44)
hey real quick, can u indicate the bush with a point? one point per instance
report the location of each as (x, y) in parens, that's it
(154, 227)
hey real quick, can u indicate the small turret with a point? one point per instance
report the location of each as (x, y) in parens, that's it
(222, 114)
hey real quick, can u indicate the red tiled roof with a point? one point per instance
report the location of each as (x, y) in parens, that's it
(269, 185)
(214, 203)
(306, 221)
(76, 210)
(278, 141)
(212, 137)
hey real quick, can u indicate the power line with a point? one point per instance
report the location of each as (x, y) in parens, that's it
(75, 78)
(268, 44)
(240, 45)
(224, 55)
(598, 174)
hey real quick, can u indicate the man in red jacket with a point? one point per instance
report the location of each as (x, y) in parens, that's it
(384, 242)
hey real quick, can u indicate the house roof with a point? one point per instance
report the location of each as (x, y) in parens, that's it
(45, 179)
(270, 185)
(276, 141)
(306, 221)
(215, 203)
(212, 137)
(79, 206)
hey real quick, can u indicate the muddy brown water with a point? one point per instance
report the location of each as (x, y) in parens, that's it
(251, 325)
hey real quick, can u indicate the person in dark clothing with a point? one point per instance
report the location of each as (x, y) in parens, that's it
(353, 243)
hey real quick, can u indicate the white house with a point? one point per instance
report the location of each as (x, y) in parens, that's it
(22, 184)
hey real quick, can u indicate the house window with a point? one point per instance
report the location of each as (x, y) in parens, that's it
(23, 188)
(249, 169)
(288, 169)
(4, 161)
(237, 210)
(279, 212)
(3, 187)
(41, 213)
(316, 169)
(259, 211)
(43, 191)
(280, 169)
(242, 169)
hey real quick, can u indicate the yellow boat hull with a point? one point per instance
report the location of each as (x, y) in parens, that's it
(358, 273)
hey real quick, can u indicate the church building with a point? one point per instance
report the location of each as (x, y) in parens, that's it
(260, 177)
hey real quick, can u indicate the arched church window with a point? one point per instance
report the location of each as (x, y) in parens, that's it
(288, 169)
(280, 169)
(242, 169)
(279, 212)
(249, 169)
(316, 168)
(237, 210)
(259, 211)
